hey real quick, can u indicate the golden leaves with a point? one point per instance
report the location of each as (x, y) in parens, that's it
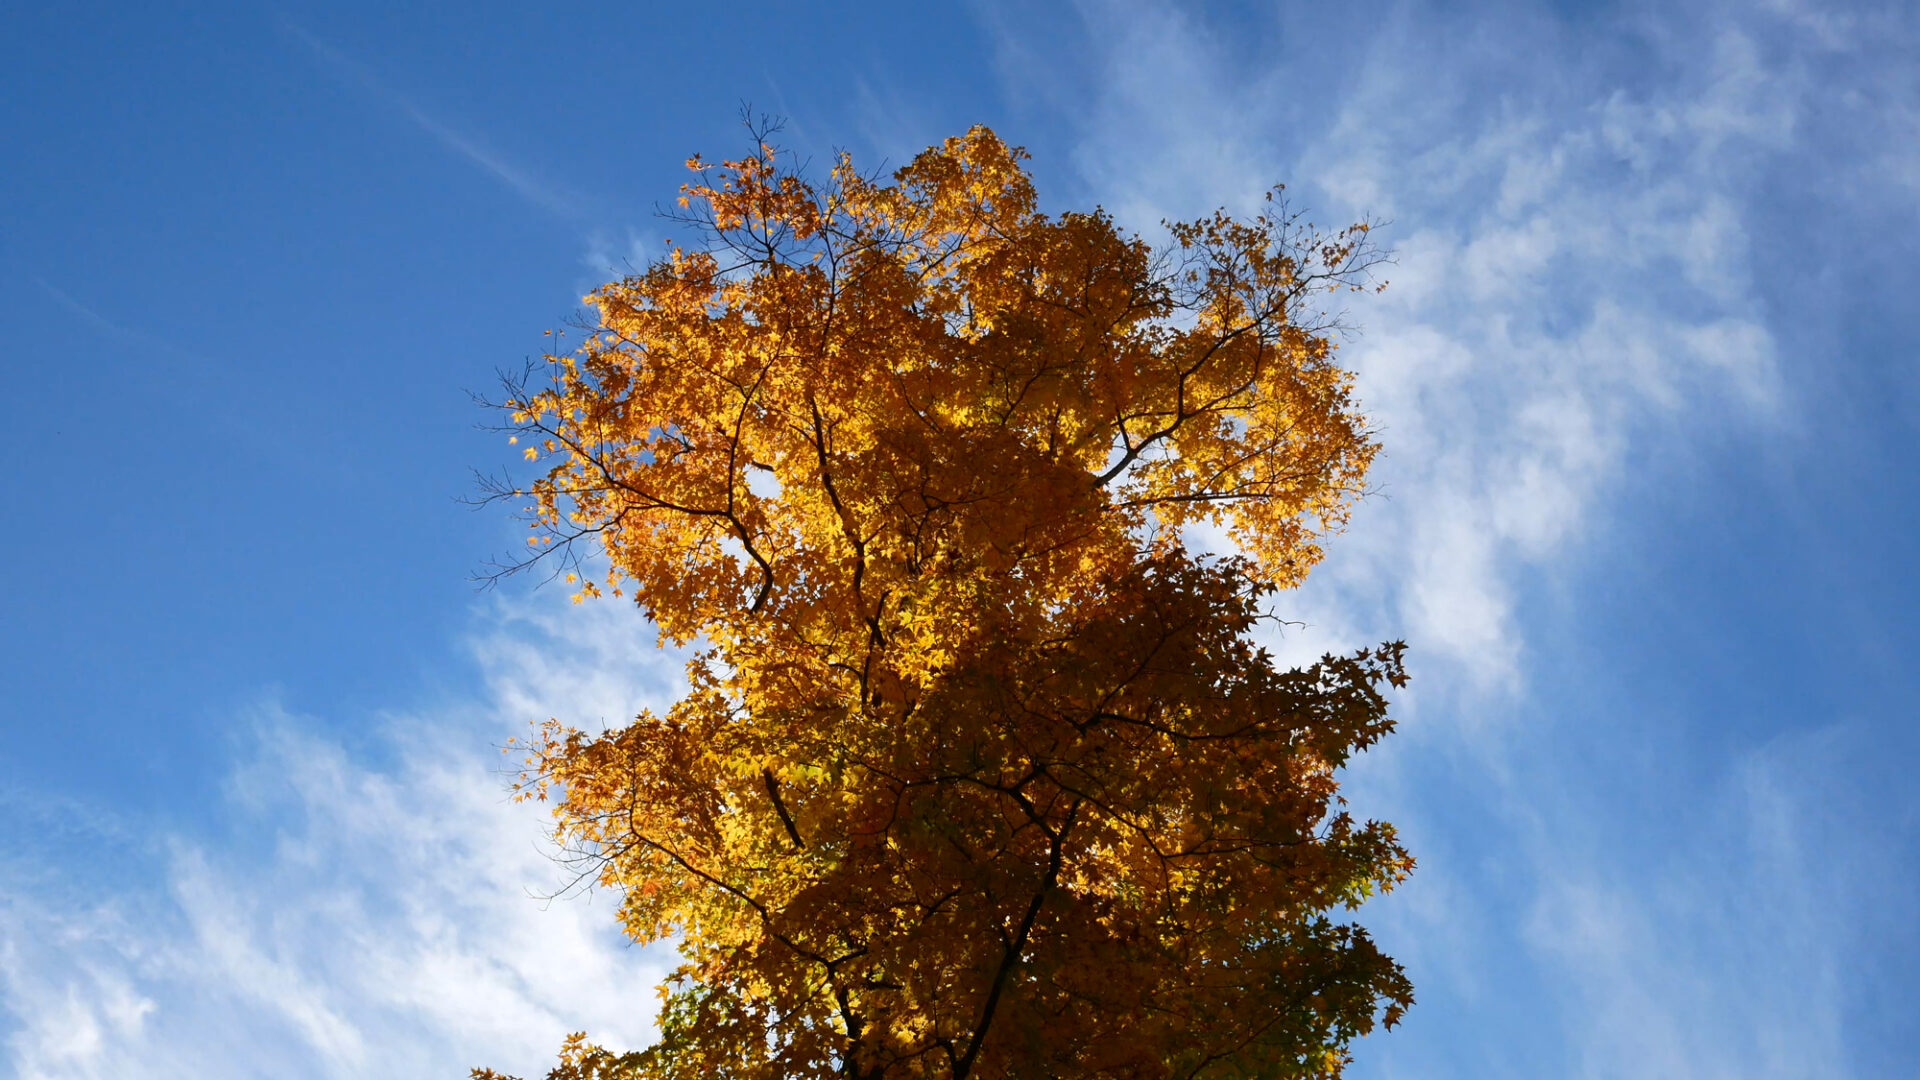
(980, 773)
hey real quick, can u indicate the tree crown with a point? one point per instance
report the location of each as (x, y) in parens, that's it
(981, 773)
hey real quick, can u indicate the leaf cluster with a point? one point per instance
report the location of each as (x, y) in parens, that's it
(980, 773)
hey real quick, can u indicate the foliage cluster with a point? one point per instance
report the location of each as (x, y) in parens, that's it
(980, 773)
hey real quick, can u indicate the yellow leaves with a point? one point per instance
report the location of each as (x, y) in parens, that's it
(914, 467)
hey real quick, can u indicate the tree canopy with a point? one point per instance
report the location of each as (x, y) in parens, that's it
(981, 772)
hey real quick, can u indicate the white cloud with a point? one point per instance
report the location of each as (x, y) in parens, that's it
(368, 919)
(1572, 278)
(609, 256)
(1576, 306)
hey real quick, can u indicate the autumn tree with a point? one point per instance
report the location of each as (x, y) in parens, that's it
(981, 773)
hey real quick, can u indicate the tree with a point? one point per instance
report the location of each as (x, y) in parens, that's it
(980, 773)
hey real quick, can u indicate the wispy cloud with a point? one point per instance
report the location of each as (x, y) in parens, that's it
(615, 255)
(1575, 308)
(1571, 277)
(371, 920)
(522, 181)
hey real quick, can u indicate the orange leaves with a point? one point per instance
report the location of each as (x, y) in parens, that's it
(908, 361)
(981, 774)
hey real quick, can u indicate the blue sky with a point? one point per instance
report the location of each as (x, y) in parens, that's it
(1646, 375)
